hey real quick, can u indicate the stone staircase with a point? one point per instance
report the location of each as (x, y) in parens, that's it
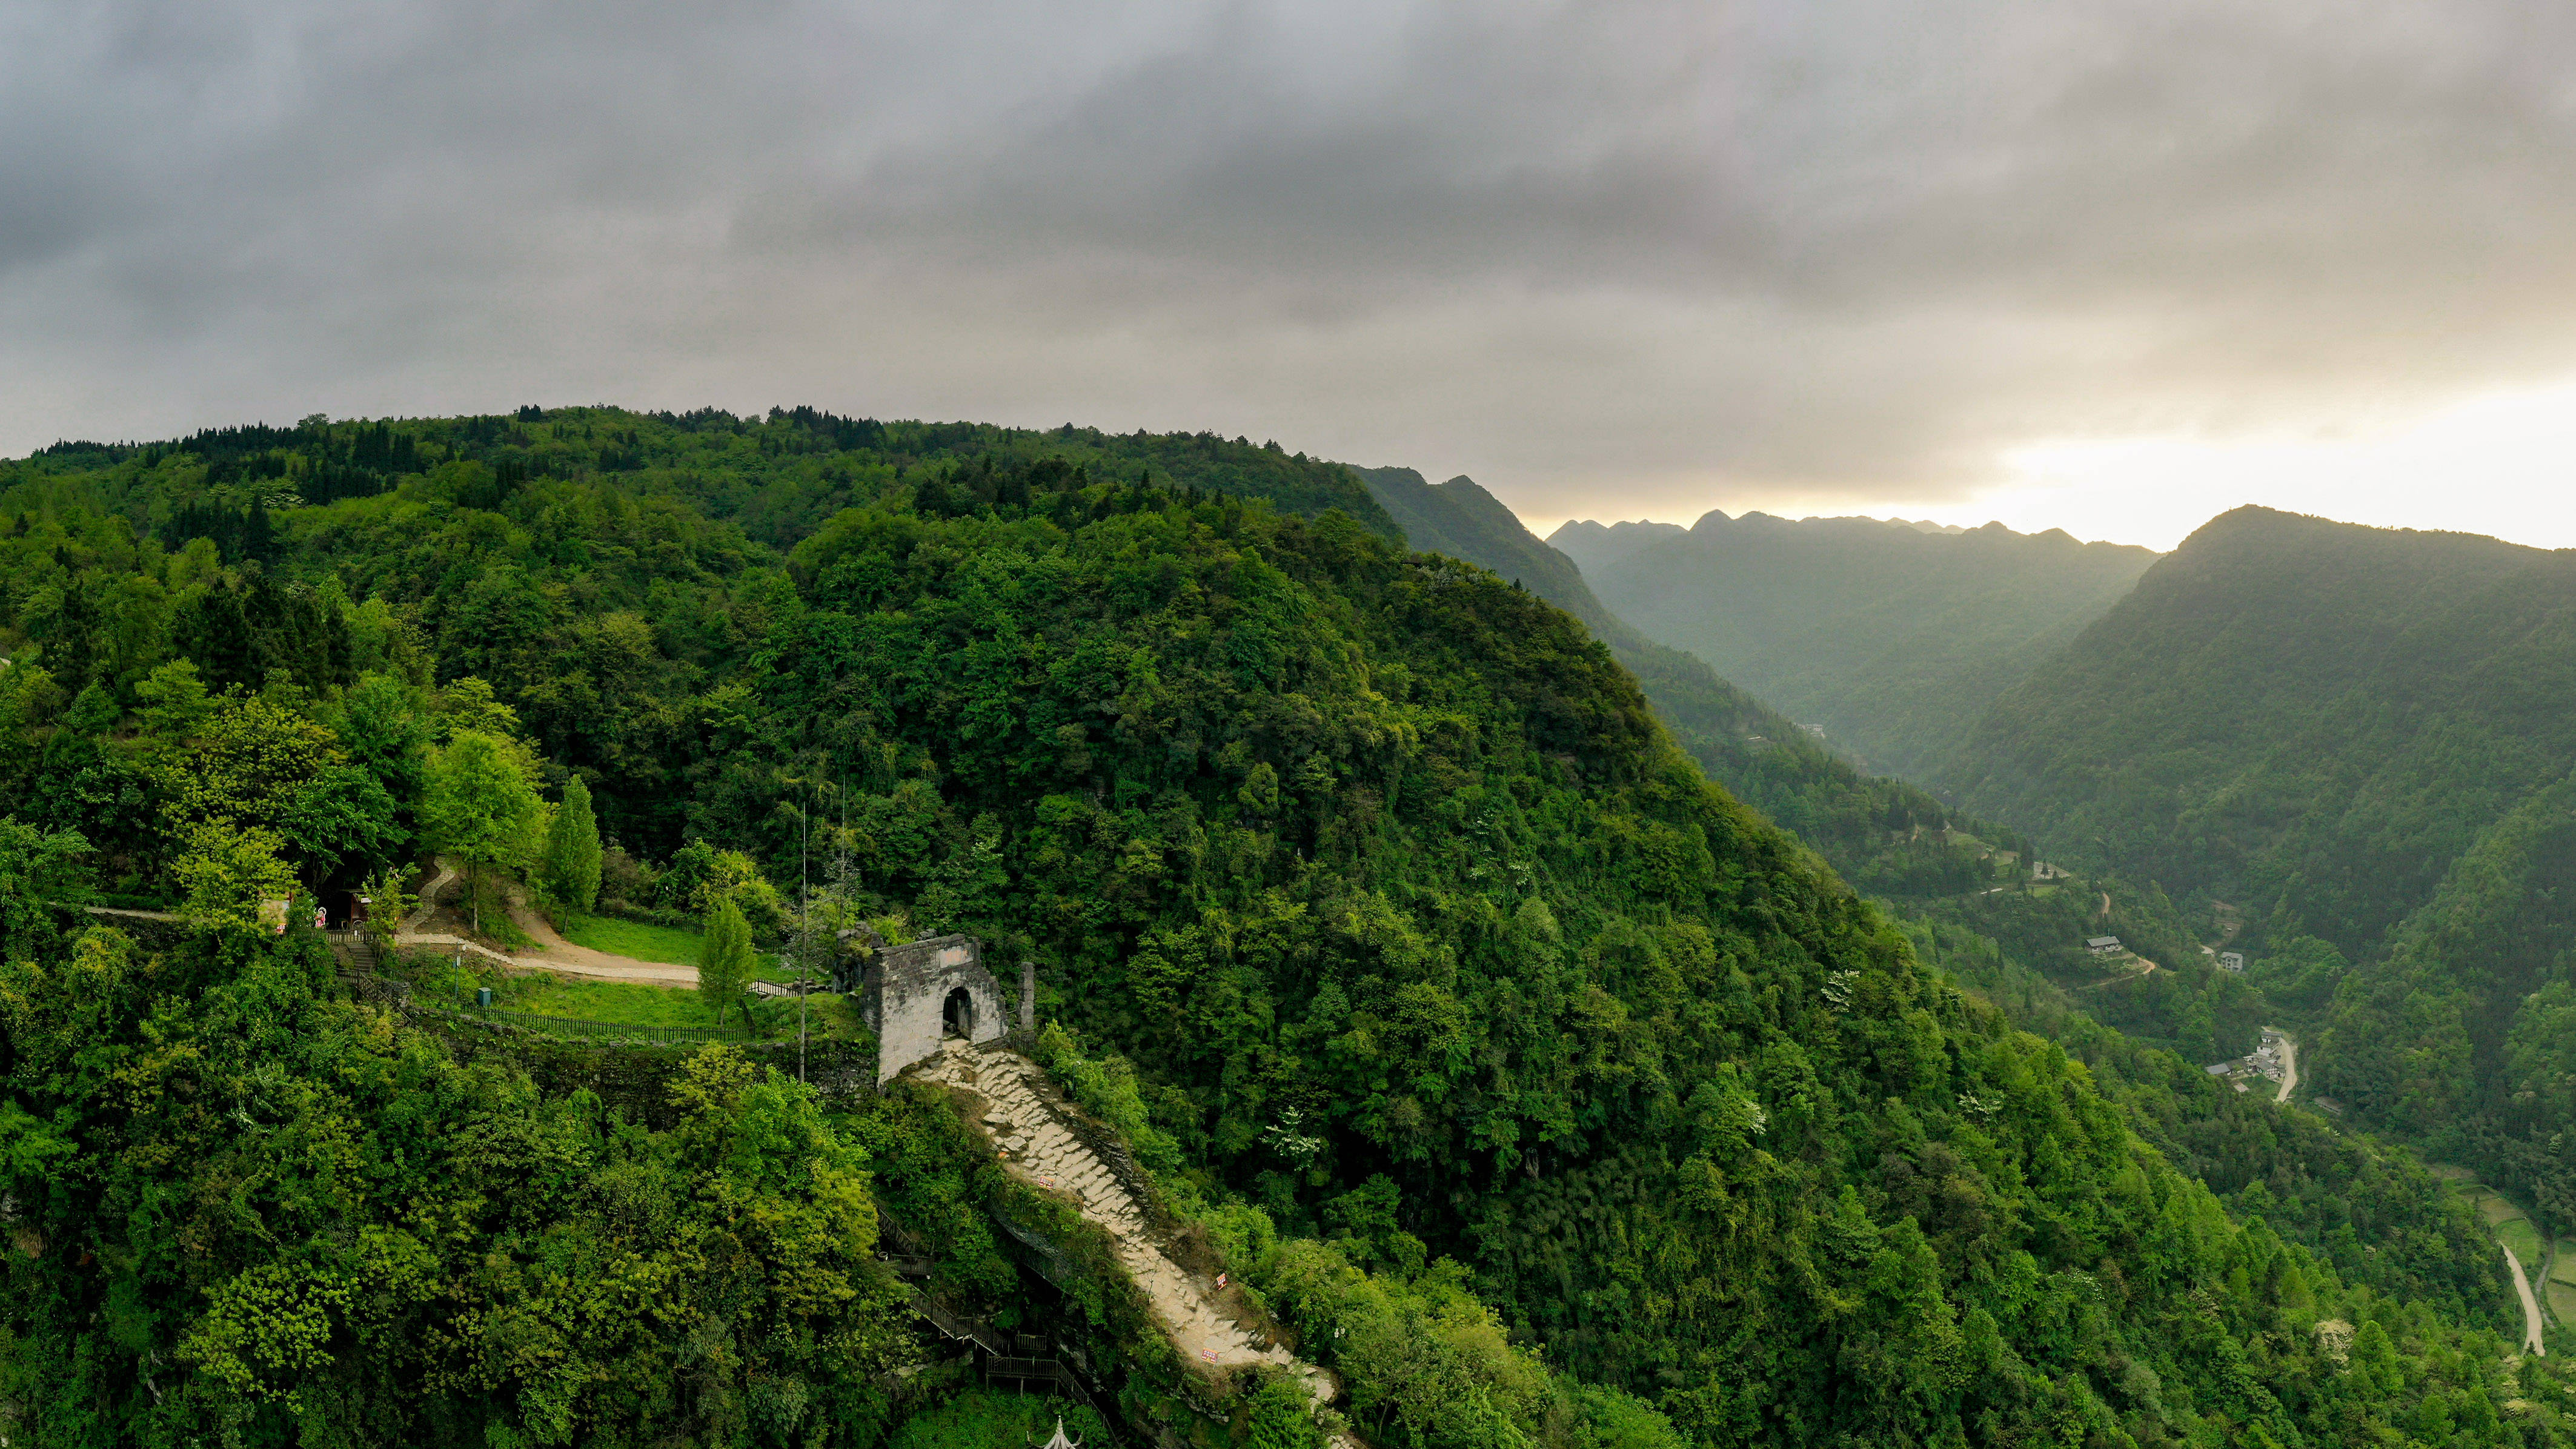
(1033, 1131)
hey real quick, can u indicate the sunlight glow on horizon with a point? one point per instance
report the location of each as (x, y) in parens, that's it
(2502, 464)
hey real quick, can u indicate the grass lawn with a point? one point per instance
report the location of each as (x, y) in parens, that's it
(831, 1017)
(2563, 1268)
(773, 967)
(2519, 1235)
(828, 1016)
(634, 939)
(627, 1003)
(2562, 1302)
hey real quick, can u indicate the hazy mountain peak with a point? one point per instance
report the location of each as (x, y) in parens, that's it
(1595, 545)
(2253, 526)
(1470, 496)
(1894, 635)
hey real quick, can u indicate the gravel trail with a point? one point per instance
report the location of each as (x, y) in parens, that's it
(2530, 1304)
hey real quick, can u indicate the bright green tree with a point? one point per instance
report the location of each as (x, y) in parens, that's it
(228, 872)
(175, 704)
(35, 866)
(248, 763)
(387, 904)
(572, 850)
(724, 957)
(342, 814)
(481, 804)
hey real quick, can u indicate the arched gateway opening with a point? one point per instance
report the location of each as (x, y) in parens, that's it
(922, 995)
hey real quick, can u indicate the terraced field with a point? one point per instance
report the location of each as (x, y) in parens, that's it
(2560, 1290)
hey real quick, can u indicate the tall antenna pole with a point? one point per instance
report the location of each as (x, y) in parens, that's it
(804, 933)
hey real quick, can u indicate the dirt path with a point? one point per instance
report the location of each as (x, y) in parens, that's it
(554, 953)
(551, 952)
(428, 900)
(137, 915)
(1031, 1133)
(2530, 1304)
(451, 943)
(563, 958)
(2289, 1067)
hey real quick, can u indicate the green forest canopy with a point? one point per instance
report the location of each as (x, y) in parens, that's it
(1309, 831)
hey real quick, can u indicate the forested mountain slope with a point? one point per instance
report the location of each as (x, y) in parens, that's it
(1951, 876)
(2362, 738)
(2295, 710)
(1459, 518)
(2461, 1029)
(1893, 639)
(1425, 950)
(1882, 834)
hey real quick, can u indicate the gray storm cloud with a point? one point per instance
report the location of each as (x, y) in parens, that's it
(1614, 258)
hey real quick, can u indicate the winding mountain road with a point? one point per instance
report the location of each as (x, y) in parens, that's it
(2289, 1067)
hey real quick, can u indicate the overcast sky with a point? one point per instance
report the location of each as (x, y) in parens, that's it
(2111, 266)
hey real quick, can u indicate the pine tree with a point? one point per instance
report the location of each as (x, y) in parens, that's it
(572, 850)
(724, 957)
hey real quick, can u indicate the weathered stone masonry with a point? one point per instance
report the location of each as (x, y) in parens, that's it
(915, 995)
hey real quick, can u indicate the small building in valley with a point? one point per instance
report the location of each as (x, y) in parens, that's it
(2231, 960)
(2103, 945)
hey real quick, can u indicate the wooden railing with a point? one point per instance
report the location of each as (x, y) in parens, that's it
(1019, 1358)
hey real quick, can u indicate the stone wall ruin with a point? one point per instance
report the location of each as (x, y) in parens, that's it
(915, 995)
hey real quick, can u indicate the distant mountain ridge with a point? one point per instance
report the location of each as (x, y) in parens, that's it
(1459, 518)
(1893, 636)
(1593, 544)
(1600, 546)
(1761, 755)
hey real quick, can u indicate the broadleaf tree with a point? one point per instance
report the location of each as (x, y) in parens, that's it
(482, 805)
